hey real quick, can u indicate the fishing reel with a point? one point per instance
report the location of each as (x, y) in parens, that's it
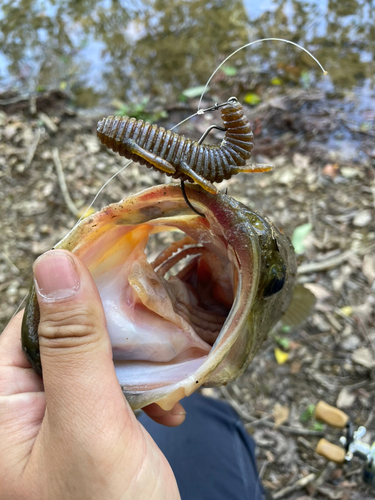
(351, 442)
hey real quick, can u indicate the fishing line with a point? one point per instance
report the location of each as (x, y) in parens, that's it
(248, 45)
(200, 112)
(98, 193)
(79, 220)
(19, 306)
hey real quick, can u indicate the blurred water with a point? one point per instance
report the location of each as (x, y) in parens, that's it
(131, 50)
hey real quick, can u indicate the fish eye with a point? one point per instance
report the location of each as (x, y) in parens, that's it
(276, 283)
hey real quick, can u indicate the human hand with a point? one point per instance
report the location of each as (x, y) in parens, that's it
(73, 435)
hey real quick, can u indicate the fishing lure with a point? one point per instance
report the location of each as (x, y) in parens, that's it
(184, 158)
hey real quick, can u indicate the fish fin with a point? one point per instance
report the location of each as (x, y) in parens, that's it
(300, 308)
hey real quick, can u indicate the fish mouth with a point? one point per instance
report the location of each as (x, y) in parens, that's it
(173, 314)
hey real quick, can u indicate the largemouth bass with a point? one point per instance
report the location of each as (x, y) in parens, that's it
(198, 312)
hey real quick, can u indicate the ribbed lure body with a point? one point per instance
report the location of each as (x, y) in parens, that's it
(210, 162)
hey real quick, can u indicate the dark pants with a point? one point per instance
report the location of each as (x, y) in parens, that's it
(211, 454)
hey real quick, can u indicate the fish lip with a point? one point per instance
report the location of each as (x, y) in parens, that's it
(245, 236)
(225, 216)
(225, 213)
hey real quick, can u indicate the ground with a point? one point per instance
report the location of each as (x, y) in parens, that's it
(324, 175)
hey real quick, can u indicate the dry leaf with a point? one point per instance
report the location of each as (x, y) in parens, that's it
(347, 310)
(281, 356)
(301, 161)
(331, 170)
(345, 398)
(320, 292)
(368, 267)
(296, 367)
(280, 414)
(363, 356)
(362, 218)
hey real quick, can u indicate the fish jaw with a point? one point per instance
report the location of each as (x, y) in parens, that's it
(111, 243)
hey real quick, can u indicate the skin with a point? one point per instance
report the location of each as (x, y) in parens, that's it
(73, 435)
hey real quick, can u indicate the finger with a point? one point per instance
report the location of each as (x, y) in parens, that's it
(10, 344)
(79, 377)
(171, 418)
(16, 375)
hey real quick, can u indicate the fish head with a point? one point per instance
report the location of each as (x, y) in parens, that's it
(194, 313)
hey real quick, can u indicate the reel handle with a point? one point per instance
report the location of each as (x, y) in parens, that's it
(330, 451)
(331, 415)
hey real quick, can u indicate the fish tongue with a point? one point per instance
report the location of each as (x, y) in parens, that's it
(141, 319)
(156, 293)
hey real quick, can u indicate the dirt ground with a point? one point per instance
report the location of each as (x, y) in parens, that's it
(324, 175)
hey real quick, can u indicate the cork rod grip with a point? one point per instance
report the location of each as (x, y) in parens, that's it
(330, 451)
(331, 415)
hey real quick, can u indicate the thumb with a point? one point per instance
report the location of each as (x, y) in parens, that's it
(78, 372)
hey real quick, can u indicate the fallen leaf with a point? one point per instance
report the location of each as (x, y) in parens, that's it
(347, 310)
(362, 218)
(280, 414)
(363, 356)
(278, 103)
(299, 234)
(281, 356)
(229, 70)
(302, 162)
(330, 170)
(252, 99)
(363, 311)
(320, 292)
(331, 493)
(345, 398)
(368, 267)
(349, 172)
(194, 91)
(276, 81)
(350, 343)
(296, 367)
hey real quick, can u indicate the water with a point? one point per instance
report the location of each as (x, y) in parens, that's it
(152, 50)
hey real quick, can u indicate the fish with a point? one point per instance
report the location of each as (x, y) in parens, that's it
(196, 313)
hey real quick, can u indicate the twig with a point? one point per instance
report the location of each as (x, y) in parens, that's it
(288, 430)
(32, 150)
(323, 265)
(369, 418)
(246, 416)
(331, 262)
(64, 189)
(32, 104)
(52, 127)
(301, 483)
(263, 469)
(354, 472)
(11, 264)
(13, 100)
(253, 421)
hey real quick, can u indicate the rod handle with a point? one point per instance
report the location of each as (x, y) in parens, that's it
(330, 451)
(331, 415)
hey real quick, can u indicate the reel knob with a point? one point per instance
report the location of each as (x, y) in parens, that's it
(331, 415)
(330, 451)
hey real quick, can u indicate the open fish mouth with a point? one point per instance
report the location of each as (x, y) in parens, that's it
(194, 313)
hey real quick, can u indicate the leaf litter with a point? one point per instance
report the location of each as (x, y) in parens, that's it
(325, 188)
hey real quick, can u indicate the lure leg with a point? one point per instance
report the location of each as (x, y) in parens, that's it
(209, 130)
(256, 167)
(185, 169)
(155, 160)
